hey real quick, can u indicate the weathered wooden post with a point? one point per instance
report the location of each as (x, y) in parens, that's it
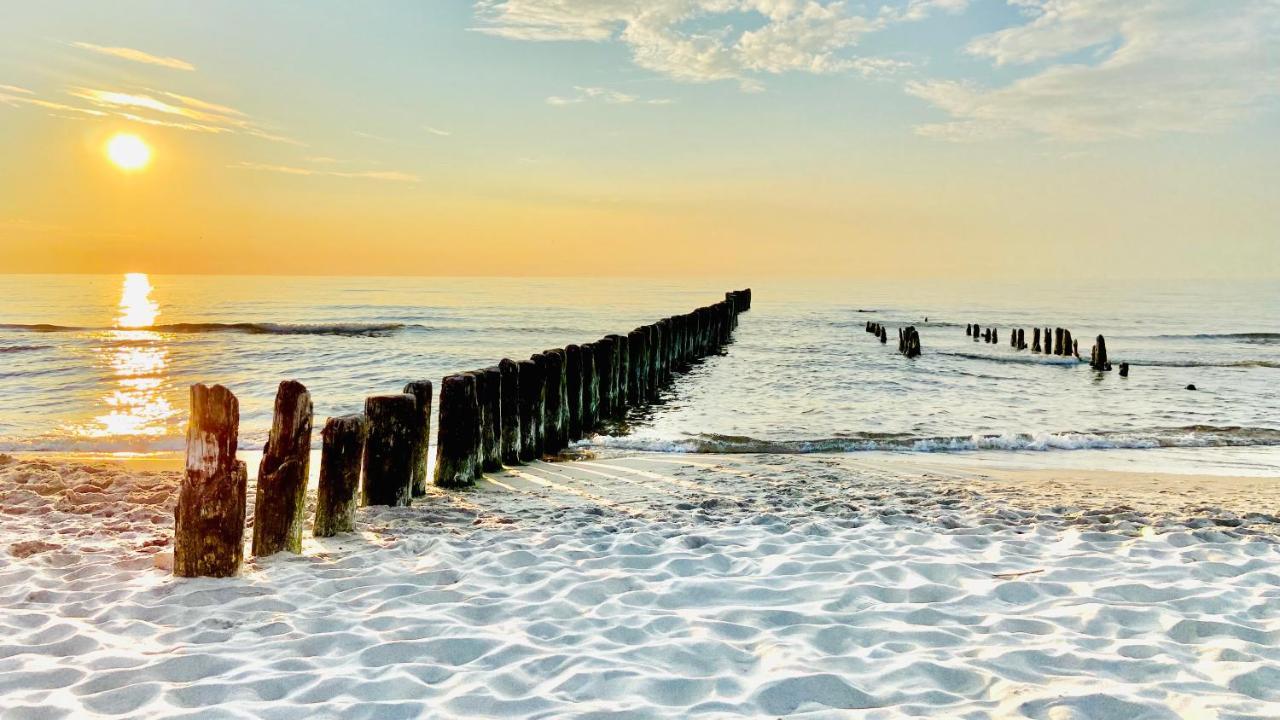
(208, 533)
(909, 342)
(605, 373)
(279, 506)
(573, 390)
(489, 393)
(637, 372)
(421, 391)
(531, 389)
(621, 365)
(590, 390)
(995, 336)
(968, 329)
(1035, 340)
(458, 438)
(1068, 347)
(976, 332)
(884, 335)
(541, 424)
(664, 351)
(388, 454)
(1098, 357)
(1057, 341)
(342, 452)
(1124, 369)
(557, 411)
(650, 362)
(511, 434)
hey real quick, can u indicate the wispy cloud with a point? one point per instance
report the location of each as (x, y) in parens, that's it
(136, 56)
(388, 175)
(196, 115)
(604, 95)
(14, 96)
(436, 131)
(750, 38)
(1157, 67)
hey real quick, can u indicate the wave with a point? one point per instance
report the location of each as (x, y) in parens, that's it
(1024, 359)
(1203, 363)
(250, 328)
(1253, 337)
(21, 348)
(1183, 437)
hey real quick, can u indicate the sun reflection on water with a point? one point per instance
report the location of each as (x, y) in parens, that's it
(137, 359)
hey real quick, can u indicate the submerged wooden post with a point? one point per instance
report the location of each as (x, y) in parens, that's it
(1035, 340)
(511, 436)
(909, 341)
(421, 391)
(884, 335)
(573, 390)
(388, 454)
(531, 389)
(1068, 347)
(279, 506)
(490, 399)
(458, 439)
(342, 451)
(1057, 341)
(1098, 357)
(1124, 369)
(968, 329)
(208, 532)
(995, 336)
(976, 332)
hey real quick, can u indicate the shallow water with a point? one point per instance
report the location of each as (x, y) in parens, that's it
(102, 363)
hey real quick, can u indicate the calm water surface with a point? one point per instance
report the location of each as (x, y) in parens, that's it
(103, 363)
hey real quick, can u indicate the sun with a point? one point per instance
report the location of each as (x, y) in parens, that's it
(128, 152)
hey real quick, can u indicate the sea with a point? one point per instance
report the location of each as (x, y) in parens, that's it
(101, 365)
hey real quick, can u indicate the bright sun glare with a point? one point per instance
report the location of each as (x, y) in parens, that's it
(128, 152)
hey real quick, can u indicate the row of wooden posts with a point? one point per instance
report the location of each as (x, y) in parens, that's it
(908, 338)
(511, 413)
(1057, 341)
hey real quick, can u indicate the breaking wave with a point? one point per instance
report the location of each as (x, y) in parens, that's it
(1183, 437)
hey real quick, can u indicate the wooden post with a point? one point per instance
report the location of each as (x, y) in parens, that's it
(663, 356)
(884, 335)
(1124, 369)
(208, 537)
(541, 427)
(605, 373)
(388, 454)
(279, 506)
(531, 389)
(590, 390)
(511, 437)
(995, 336)
(637, 373)
(342, 451)
(909, 343)
(573, 390)
(1057, 341)
(458, 439)
(652, 347)
(621, 364)
(1035, 340)
(968, 329)
(489, 394)
(421, 391)
(557, 411)
(1098, 357)
(1068, 347)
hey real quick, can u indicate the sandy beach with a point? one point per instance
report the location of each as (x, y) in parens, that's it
(661, 586)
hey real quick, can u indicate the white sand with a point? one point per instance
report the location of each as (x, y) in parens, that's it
(658, 586)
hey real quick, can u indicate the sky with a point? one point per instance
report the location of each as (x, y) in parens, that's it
(757, 138)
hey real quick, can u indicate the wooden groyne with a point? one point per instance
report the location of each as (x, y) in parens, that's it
(1049, 341)
(510, 413)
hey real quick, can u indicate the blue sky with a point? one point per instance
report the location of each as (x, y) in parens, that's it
(957, 129)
